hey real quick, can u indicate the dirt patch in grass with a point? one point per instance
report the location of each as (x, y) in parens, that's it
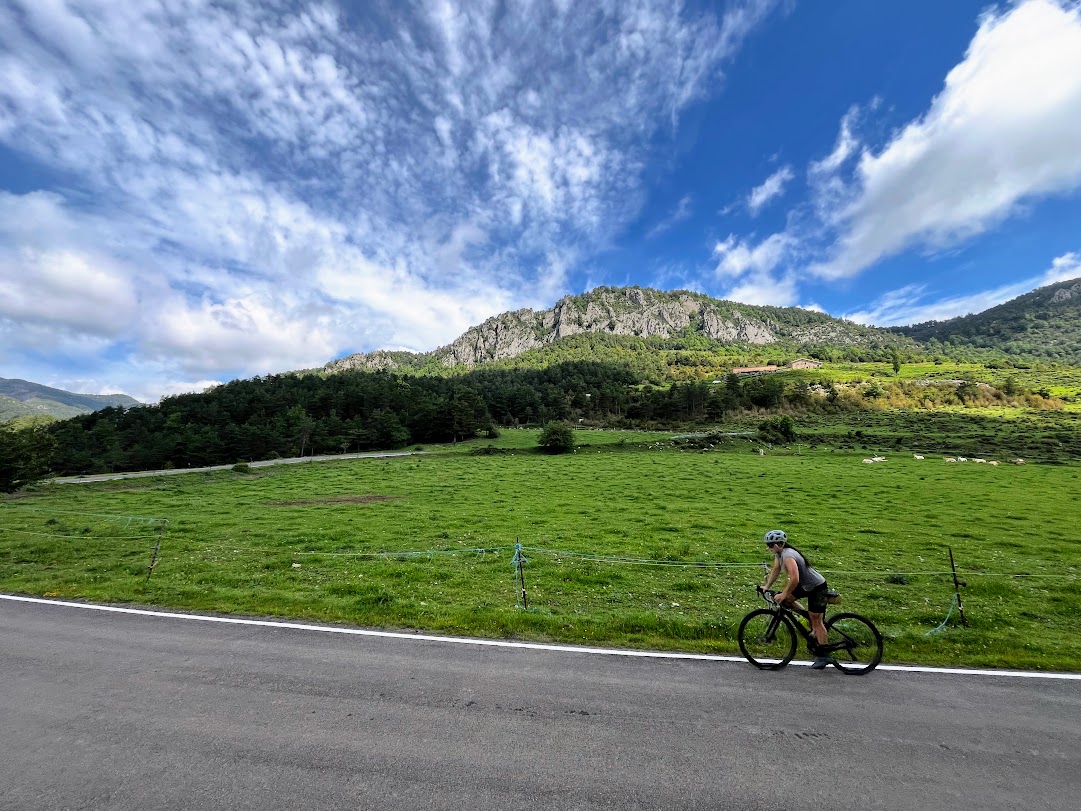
(368, 498)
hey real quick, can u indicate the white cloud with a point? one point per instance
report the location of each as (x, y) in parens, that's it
(844, 148)
(1067, 266)
(254, 186)
(908, 305)
(53, 276)
(80, 292)
(259, 333)
(736, 257)
(681, 212)
(771, 188)
(765, 289)
(1005, 128)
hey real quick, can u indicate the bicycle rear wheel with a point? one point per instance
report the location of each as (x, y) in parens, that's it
(855, 643)
(767, 639)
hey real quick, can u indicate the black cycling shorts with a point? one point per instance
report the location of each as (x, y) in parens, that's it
(817, 598)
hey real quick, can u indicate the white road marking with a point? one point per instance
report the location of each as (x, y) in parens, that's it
(500, 643)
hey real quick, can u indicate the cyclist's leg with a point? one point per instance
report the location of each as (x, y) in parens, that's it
(816, 612)
(818, 626)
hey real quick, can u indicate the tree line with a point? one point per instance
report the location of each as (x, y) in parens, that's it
(296, 415)
(293, 415)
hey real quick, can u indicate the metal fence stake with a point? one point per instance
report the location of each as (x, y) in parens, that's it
(957, 589)
(519, 563)
(154, 556)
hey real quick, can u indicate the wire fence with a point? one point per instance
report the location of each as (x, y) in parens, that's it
(144, 534)
(96, 530)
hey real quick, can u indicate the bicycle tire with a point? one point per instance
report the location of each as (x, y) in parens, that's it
(767, 639)
(863, 643)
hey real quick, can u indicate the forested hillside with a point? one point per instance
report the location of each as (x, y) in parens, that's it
(290, 415)
(658, 361)
(1044, 324)
(296, 415)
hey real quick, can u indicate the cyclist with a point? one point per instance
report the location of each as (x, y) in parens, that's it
(803, 581)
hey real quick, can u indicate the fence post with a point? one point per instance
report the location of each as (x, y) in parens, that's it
(154, 557)
(957, 589)
(519, 565)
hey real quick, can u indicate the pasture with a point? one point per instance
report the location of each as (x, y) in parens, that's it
(1061, 381)
(630, 541)
(997, 433)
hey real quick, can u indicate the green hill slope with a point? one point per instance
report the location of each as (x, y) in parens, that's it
(1044, 324)
(21, 398)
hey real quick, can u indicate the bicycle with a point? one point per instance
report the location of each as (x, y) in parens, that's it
(767, 637)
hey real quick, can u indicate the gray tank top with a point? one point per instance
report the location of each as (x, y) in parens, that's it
(809, 578)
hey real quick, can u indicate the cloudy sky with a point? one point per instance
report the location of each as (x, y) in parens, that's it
(194, 191)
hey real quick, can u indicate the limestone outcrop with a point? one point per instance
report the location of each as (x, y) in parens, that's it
(630, 311)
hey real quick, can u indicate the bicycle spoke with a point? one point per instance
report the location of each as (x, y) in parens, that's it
(854, 643)
(768, 641)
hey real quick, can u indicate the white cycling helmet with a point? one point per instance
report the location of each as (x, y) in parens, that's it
(775, 536)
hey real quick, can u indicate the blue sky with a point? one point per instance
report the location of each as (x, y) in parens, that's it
(195, 191)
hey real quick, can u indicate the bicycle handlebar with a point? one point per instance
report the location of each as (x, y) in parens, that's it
(766, 594)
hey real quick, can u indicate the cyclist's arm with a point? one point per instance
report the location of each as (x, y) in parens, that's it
(776, 570)
(793, 580)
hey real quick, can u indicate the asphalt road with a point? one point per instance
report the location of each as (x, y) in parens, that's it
(131, 712)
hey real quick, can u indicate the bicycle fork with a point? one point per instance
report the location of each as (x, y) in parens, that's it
(771, 631)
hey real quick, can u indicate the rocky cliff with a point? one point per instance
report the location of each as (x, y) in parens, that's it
(633, 311)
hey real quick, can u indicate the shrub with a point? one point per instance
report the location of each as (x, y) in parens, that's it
(557, 437)
(777, 429)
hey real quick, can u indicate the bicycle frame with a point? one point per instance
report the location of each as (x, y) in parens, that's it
(794, 613)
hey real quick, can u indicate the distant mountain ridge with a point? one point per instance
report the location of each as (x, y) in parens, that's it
(1045, 323)
(631, 311)
(21, 398)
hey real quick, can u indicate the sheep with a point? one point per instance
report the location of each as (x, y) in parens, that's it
(980, 461)
(917, 456)
(962, 458)
(868, 461)
(878, 458)
(1017, 462)
(993, 462)
(949, 459)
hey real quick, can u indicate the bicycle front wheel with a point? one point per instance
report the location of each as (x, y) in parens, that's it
(767, 639)
(855, 643)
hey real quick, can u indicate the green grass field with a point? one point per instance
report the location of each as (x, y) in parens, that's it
(1062, 381)
(629, 541)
